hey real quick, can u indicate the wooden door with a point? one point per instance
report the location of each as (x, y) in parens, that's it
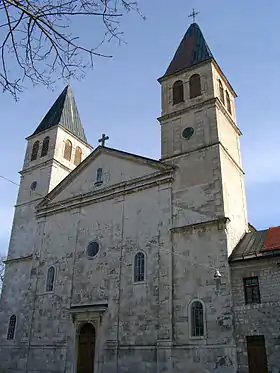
(257, 359)
(86, 349)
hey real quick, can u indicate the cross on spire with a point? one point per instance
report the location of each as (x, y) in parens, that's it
(103, 139)
(193, 14)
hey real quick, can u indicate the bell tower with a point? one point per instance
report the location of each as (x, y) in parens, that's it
(55, 148)
(200, 135)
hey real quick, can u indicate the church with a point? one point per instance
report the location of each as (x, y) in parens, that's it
(119, 263)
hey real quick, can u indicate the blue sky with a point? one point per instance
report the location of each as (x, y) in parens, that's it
(121, 96)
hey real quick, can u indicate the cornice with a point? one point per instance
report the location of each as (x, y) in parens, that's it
(45, 163)
(64, 129)
(215, 101)
(176, 113)
(96, 196)
(195, 67)
(220, 222)
(19, 259)
(183, 71)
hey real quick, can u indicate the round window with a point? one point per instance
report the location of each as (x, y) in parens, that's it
(92, 249)
(187, 133)
(33, 185)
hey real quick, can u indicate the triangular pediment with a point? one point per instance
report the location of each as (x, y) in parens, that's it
(117, 167)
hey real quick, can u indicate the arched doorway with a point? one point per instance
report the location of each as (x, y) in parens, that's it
(86, 349)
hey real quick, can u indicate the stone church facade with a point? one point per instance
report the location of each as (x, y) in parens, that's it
(119, 263)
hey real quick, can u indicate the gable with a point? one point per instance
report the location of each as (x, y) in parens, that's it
(116, 166)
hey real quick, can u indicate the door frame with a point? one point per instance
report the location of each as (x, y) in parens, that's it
(263, 344)
(79, 320)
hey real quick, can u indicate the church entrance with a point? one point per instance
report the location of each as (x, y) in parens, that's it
(86, 347)
(257, 358)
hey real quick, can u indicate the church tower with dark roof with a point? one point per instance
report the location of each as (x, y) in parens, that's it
(54, 149)
(199, 135)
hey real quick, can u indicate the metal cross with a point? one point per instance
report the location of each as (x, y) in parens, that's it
(193, 14)
(103, 139)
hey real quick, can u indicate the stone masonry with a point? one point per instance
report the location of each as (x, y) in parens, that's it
(178, 309)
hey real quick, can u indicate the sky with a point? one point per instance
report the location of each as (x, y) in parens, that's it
(121, 95)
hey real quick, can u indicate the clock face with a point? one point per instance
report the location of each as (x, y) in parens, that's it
(187, 133)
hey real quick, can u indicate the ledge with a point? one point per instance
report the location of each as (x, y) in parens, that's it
(221, 222)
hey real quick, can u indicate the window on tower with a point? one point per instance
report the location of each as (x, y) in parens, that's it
(195, 86)
(35, 150)
(45, 147)
(12, 327)
(78, 156)
(178, 92)
(228, 102)
(221, 89)
(197, 319)
(68, 150)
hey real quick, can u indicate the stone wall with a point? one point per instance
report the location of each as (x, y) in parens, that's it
(257, 319)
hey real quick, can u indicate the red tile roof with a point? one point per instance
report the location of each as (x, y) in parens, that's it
(257, 244)
(272, 240)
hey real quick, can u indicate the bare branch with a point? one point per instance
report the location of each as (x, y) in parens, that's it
(36, 38)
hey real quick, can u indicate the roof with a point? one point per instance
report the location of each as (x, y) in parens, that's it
(192, 50)
(257, 244)
(64, 112)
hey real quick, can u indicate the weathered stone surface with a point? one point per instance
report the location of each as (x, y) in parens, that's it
(261, 318)
(186, 214)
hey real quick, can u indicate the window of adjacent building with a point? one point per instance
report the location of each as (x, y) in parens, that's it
(12, 327)
(78, 156)
(195, 86)
(222, 95)
(35, 150)
(139, 267)
(252, 290)
(178, 92)
(45, 147)
(228, 102)
(68, 150)
(197, 319)
(50, 279)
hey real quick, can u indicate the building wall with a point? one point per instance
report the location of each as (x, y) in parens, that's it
(138, 314)
(257, 319)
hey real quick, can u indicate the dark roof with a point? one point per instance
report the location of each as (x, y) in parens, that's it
(64, 112)
(192, 50)
(257, 244)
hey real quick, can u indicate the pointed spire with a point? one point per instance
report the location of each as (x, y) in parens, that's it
(64, 112)
(192, 50)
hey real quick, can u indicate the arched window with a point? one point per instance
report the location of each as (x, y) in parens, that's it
(197, 319)
(99, 176)
(139, 267)
(178, 92)
(68, 150)
(195, 86)
(45, 147)
(228, 102)
(35, 150)
(12, 327)
(78, 156)
(50, 279)
(221, 89)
